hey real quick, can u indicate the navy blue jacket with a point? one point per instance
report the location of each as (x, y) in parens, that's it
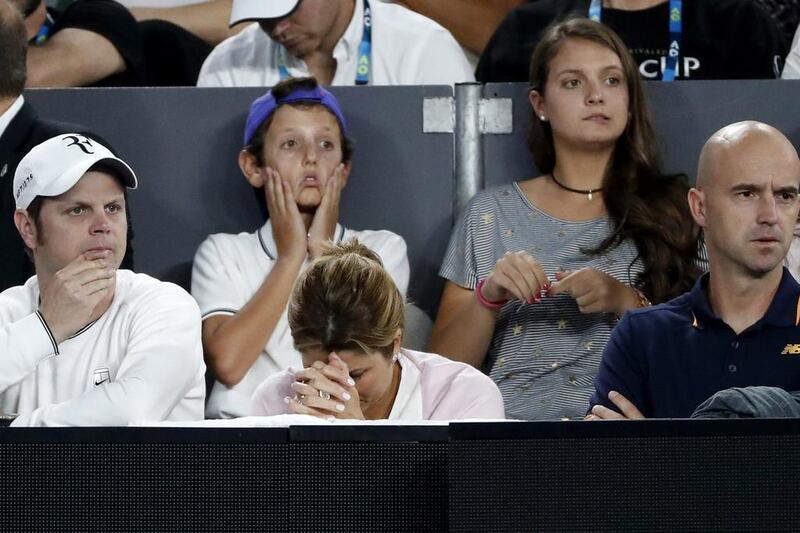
(669, 358)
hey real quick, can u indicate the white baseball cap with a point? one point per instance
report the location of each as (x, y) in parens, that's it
(55, 166)
(243, 10)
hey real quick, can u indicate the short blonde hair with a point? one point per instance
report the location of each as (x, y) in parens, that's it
(346, 301)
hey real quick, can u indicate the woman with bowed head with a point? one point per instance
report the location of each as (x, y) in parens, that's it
(346, 317)
(538, 271)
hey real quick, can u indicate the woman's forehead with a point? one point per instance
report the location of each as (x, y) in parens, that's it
(581, 54)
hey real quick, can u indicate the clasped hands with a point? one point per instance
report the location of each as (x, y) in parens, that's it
(517, 275)
(325, 390)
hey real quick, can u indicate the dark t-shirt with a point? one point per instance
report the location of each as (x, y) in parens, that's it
(721, 39)
(786, 14)
(114, 22)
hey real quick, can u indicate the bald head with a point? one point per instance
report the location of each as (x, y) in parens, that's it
(746, 198)
(14, 46)
(755, 142)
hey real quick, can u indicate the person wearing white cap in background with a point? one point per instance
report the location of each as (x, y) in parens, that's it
(339, 42)
(82, 343)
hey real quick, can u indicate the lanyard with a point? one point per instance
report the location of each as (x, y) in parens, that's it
(364, 52)
(675, 31)
(44, 31)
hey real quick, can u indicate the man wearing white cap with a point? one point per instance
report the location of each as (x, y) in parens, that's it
(82, 343)
(339, 42)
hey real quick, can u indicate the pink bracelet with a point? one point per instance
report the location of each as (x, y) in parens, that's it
(486, 303)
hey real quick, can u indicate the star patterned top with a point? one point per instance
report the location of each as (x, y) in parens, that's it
(543, 356)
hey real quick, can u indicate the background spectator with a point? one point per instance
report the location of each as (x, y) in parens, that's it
(90, 42)
(786, 14)
(207, 19)
(720, 39)
(792, 69)
(332, 42)
(472, 22)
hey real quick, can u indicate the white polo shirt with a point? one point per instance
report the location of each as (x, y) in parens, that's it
(407, 49)
(11, 112)
(141, 361)
(791, 68)
(229, 269)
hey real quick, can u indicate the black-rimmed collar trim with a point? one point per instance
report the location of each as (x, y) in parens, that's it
(267, 241)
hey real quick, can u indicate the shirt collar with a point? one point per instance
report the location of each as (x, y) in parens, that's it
(11, 112)
(267, 240)
(351, 39)
(408, 400)
(37, 294)
(783, 311)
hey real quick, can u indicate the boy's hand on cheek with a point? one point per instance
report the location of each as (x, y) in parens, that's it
(287, 224)
(327, 215)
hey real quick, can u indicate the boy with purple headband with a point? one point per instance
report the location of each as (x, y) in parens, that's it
(296, 149)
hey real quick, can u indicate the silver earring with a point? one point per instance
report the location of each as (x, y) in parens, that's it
(395, 357)
(542, 118)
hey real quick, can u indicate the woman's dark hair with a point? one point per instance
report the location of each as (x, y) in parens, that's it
(644, 205)
(280, 91)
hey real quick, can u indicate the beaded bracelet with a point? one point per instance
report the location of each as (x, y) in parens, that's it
(487, 303)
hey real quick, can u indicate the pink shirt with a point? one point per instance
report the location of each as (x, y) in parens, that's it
(436, 387)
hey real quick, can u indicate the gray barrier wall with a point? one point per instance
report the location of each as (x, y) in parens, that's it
(685, 114)
(183, 143)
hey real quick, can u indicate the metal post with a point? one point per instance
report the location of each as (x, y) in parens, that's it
(468, 143)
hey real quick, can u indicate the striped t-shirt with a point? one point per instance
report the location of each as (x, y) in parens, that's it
(544, 356)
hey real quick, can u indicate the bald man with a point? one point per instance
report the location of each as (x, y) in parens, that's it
(738, 326)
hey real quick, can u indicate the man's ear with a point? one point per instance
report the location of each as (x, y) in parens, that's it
(253, 173)
(697, 205)
(26, 228)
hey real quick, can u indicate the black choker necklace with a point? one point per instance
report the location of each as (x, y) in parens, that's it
(587, 192)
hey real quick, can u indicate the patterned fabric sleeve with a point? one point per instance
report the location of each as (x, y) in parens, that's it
(460, 265)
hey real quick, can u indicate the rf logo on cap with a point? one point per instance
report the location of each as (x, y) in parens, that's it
(84, 144)
(55, 166)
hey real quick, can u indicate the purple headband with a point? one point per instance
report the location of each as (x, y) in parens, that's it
(265, 105)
